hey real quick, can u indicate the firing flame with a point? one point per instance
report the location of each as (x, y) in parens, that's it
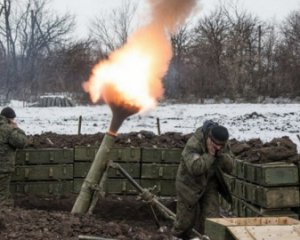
(131, 77)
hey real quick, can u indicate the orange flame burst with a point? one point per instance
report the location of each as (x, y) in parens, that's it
(132, 74)
(131, 77)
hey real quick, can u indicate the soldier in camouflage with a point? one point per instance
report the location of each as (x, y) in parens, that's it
(11, 138)
(200, 178)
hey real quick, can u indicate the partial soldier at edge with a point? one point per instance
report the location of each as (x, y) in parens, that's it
(11, 138)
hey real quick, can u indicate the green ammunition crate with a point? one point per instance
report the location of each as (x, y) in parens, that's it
(43, 172)
(267, 197)
(43, 188)
(272, 174)
(85, 153)
(224, 204)
(81, 169)
(120, 186)
(230, 180)
(159, 171)
(249, 210)
(116, 154)
(160, 187)
(239, 168)
(235, 206)
(44, 156)
(115, 186)
(239, 189)
(161, 155)
(77, 182)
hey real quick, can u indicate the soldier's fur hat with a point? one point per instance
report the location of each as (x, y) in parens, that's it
(8, 112)
(218, 134)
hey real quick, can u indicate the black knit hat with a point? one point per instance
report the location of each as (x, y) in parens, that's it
(219, 135)
(8, 112)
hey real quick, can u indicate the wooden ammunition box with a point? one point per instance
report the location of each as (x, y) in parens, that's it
(120, 186)
(235, 206)
(161, 155)
(43, 172)
(275, 228)
(271, 174)
(81, 169)
(248, 210)
(230, 180)
(159, 171)
(239, 169)
(44, 156)
(267, 197)
(161, 187)
(115, 186)
(116, 154)
(42, 188)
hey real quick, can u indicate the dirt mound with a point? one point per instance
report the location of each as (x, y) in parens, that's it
(279, 149)
(254, 150)
(133, 139)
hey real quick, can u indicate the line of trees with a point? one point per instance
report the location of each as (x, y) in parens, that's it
(228, 53)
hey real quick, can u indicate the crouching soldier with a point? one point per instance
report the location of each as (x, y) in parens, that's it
(200, 178)
(11, 138)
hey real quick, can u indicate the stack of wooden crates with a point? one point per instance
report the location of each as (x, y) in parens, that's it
(269, 189)
(43, 171)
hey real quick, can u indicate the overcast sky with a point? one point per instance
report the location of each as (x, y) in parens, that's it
(85, 10)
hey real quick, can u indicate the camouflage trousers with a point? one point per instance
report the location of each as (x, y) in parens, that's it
(5, 195)
(189, 217)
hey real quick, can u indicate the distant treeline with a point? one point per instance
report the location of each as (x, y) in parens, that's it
(228, 53)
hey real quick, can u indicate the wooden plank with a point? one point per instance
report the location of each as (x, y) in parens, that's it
(290, 232)
(255, 221)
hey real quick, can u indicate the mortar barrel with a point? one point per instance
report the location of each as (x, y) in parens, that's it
(94, 175)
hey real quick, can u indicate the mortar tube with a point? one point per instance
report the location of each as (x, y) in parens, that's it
(99, 165)
(94, 175)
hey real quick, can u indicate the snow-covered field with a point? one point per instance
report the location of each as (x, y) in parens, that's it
(244, 121)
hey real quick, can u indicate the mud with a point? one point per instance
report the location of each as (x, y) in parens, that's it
(114, 217)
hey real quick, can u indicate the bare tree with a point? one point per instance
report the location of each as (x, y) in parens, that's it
(288, 55)
(210, 35)
(175, 81)
(66, 68)
(243, 52)
(112, 30)
(31, 31)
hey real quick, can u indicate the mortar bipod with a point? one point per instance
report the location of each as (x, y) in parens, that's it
(152, 199)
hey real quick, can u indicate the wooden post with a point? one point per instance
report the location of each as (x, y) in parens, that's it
(158, 126)
(79, 124)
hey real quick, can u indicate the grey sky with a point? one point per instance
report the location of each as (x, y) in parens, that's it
(85, 10)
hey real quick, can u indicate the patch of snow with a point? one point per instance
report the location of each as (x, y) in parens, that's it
(244, 121)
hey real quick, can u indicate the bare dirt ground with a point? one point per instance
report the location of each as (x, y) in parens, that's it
(115, 217)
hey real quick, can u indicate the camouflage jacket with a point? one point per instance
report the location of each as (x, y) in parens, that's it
(197, 167)
(10, 139)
